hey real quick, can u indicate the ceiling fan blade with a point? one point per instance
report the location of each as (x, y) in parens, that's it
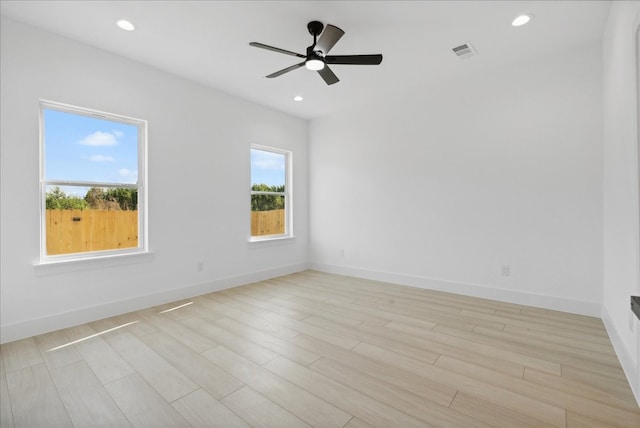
(328, 39)
(285, 70)
(328, 76)
(354, 59)
(272, 48)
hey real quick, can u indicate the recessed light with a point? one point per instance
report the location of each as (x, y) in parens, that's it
(298, 98)
(125, 25)
(521, 20)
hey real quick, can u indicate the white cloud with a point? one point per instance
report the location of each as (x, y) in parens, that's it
(127, 175)
(101, 158)
(99, 138)
(117, 133)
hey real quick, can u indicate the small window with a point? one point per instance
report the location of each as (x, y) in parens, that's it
(270, 193)
(92, 183)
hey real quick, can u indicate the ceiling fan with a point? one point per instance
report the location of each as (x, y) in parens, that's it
(316, 58)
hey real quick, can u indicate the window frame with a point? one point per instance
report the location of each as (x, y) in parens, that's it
(287, 194)
(140, 185)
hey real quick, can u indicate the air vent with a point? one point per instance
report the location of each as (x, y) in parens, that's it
(464, 51)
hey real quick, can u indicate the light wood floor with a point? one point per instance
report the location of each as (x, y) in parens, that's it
(312, 349)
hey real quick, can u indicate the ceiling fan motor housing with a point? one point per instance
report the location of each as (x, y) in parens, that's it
(311, 54)
(315, 28)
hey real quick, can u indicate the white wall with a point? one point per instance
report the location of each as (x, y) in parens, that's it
(621, 218)
(199, 179)
(440, 187)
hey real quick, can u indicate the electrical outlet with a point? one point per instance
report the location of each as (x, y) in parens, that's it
(341, 253)
(506, 270)
(200, 266)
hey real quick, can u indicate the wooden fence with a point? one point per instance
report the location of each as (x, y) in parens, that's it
(267, 222)
(74, 231)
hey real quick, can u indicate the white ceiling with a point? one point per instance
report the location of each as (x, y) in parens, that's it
(208, 41)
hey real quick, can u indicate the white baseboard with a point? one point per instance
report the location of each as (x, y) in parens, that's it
(631, 369)
(500, 294)
(33, 327)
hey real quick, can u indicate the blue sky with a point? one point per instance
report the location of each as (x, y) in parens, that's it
(83, 148)
(267, 168)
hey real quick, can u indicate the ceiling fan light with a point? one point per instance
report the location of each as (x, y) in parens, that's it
(314, 64)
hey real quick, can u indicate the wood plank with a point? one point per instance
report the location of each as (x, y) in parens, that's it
(20, 354)
(6, 414)
(131, 322)
(575, 420)
(390, 373)
(570, 402)
(210, 377)
(85, 398)
(342, 396)
(492, 414)
(105, 362)
(170, 383)
(580, 389)
(141, 404)
(342, 299)
(251, 320)
(53, 350)
(317, 332)
(377, 336)
(614, 386)
(576, 321)
(317, 308)
(433, 312)
(297, 401)
(201, 410)
(237, 344)
(466, 342)
(239, 295)
(432, 413)
(34, 398)
(258, 411)
(357, 423)
(311, 302)
(428, 350)
(187, 336)
(279, 346)
(534, 322)
(565, 352)
(222, 299)
(550, 414)
(576, 340)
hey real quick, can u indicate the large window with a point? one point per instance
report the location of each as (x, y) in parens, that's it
(92, 170)
(270, 193)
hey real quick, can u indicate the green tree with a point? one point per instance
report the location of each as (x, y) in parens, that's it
(127, 199)
(56, 199)
(94, 197)
(267, 202)
(112, 199)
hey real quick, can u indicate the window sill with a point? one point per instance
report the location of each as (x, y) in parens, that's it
(70, 265)
(271, 239)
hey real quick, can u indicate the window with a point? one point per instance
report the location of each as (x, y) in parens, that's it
(270, 193)
(92, 170)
